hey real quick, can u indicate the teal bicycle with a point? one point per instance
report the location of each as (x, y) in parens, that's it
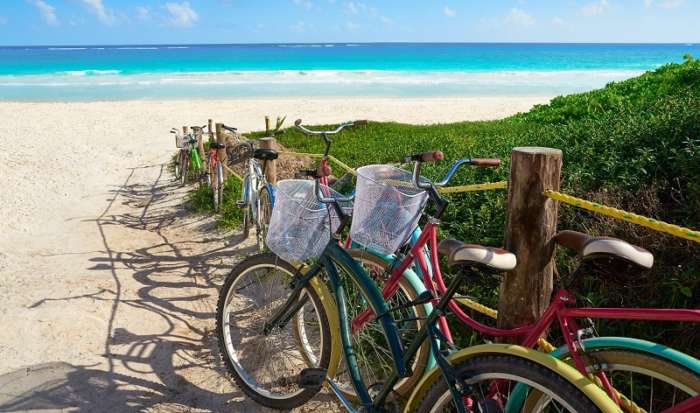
(265, 293)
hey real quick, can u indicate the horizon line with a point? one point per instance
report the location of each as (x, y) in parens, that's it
(343, 43)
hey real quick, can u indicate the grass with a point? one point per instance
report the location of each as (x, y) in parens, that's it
(634, 145)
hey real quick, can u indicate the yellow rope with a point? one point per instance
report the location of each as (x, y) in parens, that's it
(232, 172)
(626, 216)
(467, 302)
(474, 187)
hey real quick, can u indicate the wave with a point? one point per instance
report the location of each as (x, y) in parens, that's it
(112, 84)
(137, 48)
(67, 48)
(90, 72)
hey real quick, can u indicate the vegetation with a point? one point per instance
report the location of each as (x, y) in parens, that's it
(634, 145)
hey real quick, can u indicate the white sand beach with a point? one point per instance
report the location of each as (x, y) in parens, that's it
(107, 286)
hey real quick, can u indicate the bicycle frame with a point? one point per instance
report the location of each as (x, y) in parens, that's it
(560, 310)
(334, 255)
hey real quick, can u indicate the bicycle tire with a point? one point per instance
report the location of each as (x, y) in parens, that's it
(264, 213)
(185, 168)
(615, 360)
(242, 378)
(176, 166)
(494, 367)
(219, 184)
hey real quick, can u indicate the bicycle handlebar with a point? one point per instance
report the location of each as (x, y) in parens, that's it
(432, 156)
(230, 128)
(342, 126)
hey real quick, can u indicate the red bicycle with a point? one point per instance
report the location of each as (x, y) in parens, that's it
(636, 374)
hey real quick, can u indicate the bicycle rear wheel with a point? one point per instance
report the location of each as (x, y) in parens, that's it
(264, 213)
(267, 367)
(488, 381)
(650, 382)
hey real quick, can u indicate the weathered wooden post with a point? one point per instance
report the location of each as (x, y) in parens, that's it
(531, 222)
(210, 128)
(270, 166)
(221, 153)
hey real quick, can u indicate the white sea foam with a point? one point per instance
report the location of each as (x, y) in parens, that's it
(318, 82)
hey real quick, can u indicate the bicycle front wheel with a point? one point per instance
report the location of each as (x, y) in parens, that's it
(488, 380)
(266, 367)
(184, 167)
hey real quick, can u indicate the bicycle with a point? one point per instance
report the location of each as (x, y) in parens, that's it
(252, 318)
(188, 160)
(605, 357)
(257, 195)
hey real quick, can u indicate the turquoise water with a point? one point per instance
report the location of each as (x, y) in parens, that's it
(127, 72)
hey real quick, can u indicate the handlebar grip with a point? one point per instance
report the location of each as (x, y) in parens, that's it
(431, 156)
(297, 122)
(485, 162)
(360, 122)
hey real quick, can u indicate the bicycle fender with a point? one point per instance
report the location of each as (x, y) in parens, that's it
(593, 392)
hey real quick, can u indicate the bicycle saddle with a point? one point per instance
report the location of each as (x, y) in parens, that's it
(591, 247)
(460, 253)
(215, 145)
(265, 154)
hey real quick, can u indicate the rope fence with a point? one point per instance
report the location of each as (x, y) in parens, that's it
(671, 229)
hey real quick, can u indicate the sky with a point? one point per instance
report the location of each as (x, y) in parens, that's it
(105, 22)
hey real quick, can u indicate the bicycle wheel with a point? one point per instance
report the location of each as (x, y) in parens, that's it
(267, 367)
(247, 220)
(651, 382)
(176, 165)
(219, 193)
(489, 379)
(264, 213)
(370, 345)
(185, 166)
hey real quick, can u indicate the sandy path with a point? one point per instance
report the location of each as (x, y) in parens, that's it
(107, 286)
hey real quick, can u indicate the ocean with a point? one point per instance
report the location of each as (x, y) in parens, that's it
(86, 73)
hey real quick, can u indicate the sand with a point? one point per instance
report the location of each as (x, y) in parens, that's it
(107, 286)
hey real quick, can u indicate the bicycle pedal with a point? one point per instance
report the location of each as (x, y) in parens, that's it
(312, 378)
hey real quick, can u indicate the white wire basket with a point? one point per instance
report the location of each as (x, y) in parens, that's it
(180, 141)
(387, 208)
(300, 225)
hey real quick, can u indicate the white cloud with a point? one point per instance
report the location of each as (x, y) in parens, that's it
(299, 27)
(47, 11)
(558, 21)
(519, 18)
(355, 7)
(143, 13)
(387, 21)
(103, 14)
(671, 4)
(304, 3)
(350, 26)
(3, 19)
(647, 3)
(595, 8)
(181, 14)
(448, 12)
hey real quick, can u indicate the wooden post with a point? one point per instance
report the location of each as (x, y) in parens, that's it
(221, 153)
(185, 130)
(531, 222)
(271, 166)
(210, 128)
